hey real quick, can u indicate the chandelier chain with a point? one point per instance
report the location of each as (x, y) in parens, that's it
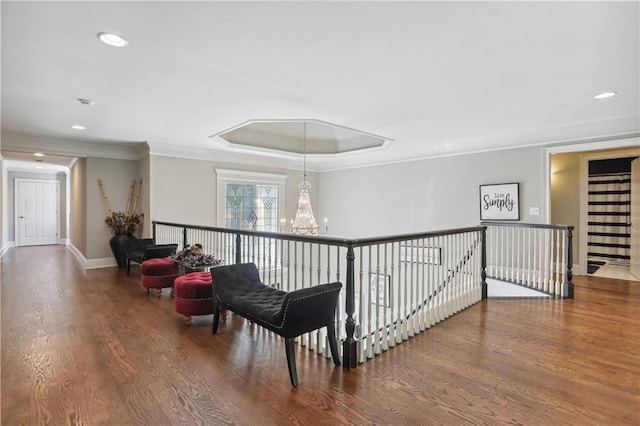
(304, 154)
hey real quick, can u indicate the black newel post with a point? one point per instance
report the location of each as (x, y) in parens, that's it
(567, 287)
(184, 237)
(483, 273)
(153, 231)
(349, 345)
(238, 249)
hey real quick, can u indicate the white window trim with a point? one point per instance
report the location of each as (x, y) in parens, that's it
(225, 176)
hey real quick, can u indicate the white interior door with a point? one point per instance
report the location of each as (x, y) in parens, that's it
(635, 218)
(36, 212)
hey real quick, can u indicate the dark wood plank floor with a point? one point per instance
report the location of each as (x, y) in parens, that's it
(92, 348)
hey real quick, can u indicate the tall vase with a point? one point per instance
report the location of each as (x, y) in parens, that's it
(119, 244)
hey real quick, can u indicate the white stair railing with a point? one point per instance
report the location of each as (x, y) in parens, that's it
(536, 256)
(394, 287)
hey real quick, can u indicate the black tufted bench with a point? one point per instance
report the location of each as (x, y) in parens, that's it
(289, 314)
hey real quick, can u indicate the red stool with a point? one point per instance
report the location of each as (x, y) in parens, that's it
(158, 273)
(193, 295)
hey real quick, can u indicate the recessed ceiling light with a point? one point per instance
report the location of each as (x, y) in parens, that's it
(38, 154)
(113, 39)
(78, 127)
(38, 167)
(605, 95)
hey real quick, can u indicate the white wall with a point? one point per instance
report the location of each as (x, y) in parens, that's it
(4, 205)
(431, 194)
(406, 197)
(184, 190)
(116, 177)
(78, 199)
(565, 194)
(144, 205)
(426, 195)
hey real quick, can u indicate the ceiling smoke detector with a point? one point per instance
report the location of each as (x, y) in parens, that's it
(84, 101)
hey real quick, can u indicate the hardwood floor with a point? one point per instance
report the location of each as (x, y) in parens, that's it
(92, 348)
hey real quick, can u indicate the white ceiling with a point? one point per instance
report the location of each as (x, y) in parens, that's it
(436, 78)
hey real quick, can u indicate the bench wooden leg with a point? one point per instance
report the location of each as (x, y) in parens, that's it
(291, 361)
(216, 318)
(333, 342)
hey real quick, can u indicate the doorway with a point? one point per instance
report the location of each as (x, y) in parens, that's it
(635, 218)
(36, 212)
(565, 182)
(606, 241)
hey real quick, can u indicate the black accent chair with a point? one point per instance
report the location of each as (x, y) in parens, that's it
(141, 249)
(288, 314)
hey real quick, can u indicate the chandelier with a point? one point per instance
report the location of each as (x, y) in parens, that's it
(304, 222)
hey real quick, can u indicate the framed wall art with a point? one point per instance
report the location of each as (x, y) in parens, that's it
(429, 255)
(500, 202)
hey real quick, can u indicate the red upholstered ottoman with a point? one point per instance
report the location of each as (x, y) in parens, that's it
(192, 295)
(158, 273)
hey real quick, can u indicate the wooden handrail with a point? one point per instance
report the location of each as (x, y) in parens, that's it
(526, 225)
(332, 241)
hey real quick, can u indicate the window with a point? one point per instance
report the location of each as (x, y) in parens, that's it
(249, 200)
(251, 206)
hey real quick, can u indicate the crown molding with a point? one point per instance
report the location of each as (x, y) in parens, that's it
(223, 156)
(114, 150)
(612, 142)
(316, 163)
(582, 133)
(29, 167)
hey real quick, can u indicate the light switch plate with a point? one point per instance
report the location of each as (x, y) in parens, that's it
(534, 211)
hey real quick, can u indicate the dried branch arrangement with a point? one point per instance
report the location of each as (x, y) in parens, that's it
(126, 222)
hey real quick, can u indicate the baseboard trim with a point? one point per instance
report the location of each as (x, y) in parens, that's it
(6, 247)
(577, 270)
(78, 255)
(105, 262)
